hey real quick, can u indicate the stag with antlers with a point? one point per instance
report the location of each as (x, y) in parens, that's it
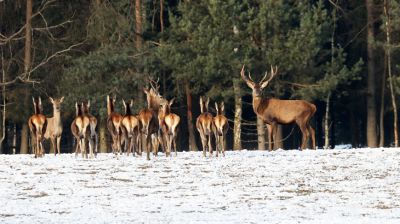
(204, 125)
(130, 129)
(220, 128)
(275, 111)
(37, 125)
(114, 120)
(169, 126)
(54, 125)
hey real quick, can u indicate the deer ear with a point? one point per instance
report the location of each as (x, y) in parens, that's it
(124, 103)
(264, 84)
(62, 99)
(33, 100)
(51, 100)
(131, 102)
(222, 106)
(208, 101)
(171, 101)
(147, 91)
(40, 101)
(88, 104)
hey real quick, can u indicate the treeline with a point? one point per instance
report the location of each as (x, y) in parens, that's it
(341, 55)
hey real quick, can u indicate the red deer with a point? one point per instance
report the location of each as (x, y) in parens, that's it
(37, 125)
(220, 128)
(79, 128)
(275, 111)
(93, 137)
(114, 125)
(54, 125)
(130, 129)
(169, 126)
(204, 126)
(149, 120)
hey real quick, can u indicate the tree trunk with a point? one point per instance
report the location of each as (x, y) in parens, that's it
(382, 107)
(162, 16)
(371, 96)
(326, 122)
(3, 115)
(103, 147)
(192, 140)
(14, 142)
(389, 68)
(260, 134)
(138, 24)
(237, 125)
(24, 139)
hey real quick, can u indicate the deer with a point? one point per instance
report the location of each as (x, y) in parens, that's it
(130, 129)
(54, 125)
(93, 136)
(37, 125)
(169, 126)
(114, 125)
(79, 128)
(275, 111)
(150, 122)
(220, 128)
(204, 126)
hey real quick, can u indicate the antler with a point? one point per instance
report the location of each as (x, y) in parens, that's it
(273, 73)
(151, 81)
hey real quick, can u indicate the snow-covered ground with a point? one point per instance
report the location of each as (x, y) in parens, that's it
(335, 186)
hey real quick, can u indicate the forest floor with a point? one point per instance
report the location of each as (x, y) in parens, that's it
(334, 186)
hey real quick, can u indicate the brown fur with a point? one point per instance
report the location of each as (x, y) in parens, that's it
(204, 126)
(170, 123)
(92, 136)
(114, 120)
(130, 128)
(275, 111)
(220, 128)
(54, 125)
(37, 125)
(79, 128)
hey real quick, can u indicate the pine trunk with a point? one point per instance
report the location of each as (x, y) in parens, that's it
(103, 138)
(278, 139)
(389, 68)
(3, 114)
(326, 122)
(382, 107)
(237, 125)
(24, 139)
(371, 96)
(192, 140)
(260, 133)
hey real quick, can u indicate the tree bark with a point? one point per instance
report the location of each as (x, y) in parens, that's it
(138, 24)
(103, 147)
(389, 68)
(326, 122)
(3, 115)
(192, 140)
(371, 95)
(27, 65)
(260, 134)
(382, 107)
(237, 125)
(162, 16)
(278, 139)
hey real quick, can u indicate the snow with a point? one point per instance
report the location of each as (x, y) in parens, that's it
(332, 186)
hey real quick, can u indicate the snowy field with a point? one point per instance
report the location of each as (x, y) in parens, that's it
(336, 186)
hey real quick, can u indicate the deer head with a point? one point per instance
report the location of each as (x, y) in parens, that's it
(56, 103)
(127, 106)
(85, 107)
(110, 104)
(258, 87)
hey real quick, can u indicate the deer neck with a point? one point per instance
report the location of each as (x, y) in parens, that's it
(256, 104)
(56, 115)
(110, 108)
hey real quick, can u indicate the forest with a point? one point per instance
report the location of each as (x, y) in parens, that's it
(343, 56)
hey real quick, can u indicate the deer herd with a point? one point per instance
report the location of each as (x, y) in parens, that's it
(157, 126)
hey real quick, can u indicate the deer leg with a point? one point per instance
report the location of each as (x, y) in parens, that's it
(304, 133)
(53, 144)
(270, 136)
(148, 145)
(174, 142)
(209, 145)
(91, 147)
(58, 144)
(312, 133)
(223, 145)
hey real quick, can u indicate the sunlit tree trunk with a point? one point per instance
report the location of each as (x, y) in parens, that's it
(389, 68)
(326, 122)
(27, 65)
(260, 133)
(278, 139)
(371, 95)
(3, 114)
(103, 147)
(382, 107)
(237, 123)
(192, 140)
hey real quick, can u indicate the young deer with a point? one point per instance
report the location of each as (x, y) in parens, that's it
(114, 120)
(149, 120)
(169, 126)
(130, 129)
(220, 128)
(79, 128)
(93, 137)
(37, 125)
(204, 125)
(54, 125)
(275, 111)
